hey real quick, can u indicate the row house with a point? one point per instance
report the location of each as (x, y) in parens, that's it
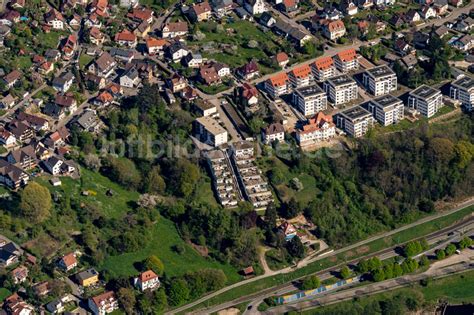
(174, 29)
(355, 121)
(126, 38)
(346, 61)
(300, 76)
(387, 109)
(341, 89)
(309, 100)
(209, 131)
(323, 68)
(274, 132)
(277, 85)
(426, 100)
(463, 90)
(224, 180)
(319, 128)
(380, 80)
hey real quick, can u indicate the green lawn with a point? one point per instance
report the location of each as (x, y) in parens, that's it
(49, 40)
(84, 60)
(165, 237)
(205, 194)
(4, 293)
(22, 62)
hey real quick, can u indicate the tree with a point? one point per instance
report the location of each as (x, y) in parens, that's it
(123, 171)
(154, 182)
(311, 282)
(35, 202)
(161, 302)
(155, 264)
(464, 243)
(270, 216)
(397, 270)
(440, 254)
(388, 271)
(127, 299)
(378, 275)
(178, 292)
(424, 261)
(295, 247)
(450, 249)
(363, 266)
(345, 272)
(291, 209)
(92, 162)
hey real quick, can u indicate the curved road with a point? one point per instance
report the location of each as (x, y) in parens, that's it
(312, 259)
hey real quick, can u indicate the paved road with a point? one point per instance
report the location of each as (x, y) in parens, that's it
(446, 268)
(312, 259)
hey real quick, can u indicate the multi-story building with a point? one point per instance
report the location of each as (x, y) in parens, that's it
(277, 85)
(341, 89)
(346, 60)
(318, 128)
(323, 68)
(147, 280)
(274, 132)
(300, 76)
(310, 99)
(209, 131)
(463, 90)
(380, 80)
(104, 303)
(426, 100)
(387, 109)
(333, 29)
(355, 121)
(224, 179)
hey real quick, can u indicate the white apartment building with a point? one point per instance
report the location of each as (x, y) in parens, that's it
(277, 85)
(323, 69)
(463, 90)
(346, 60)
(341, 89)
(380, 80)
(310, 99)
(425, 100)
(300, 76)
(209, 131)
(387, 109)
(355, 121)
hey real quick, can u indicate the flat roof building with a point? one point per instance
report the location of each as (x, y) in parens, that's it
(463, 90)
(309, 100)
(209, 131)
(380, 80)
(387, 109)
(425, 100)
(355, 121)
(341, 89)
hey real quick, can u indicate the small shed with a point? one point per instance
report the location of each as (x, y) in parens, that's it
(55, 181)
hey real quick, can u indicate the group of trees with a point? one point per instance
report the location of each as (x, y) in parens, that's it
(415, 247)
(451, 248)
(380, 271)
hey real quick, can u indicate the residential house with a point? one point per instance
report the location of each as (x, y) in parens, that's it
(52, 55)
(103, 99)
(323, 68)
(87, 277)
(208, 75)
(380, 80)
(13, 177)
(247, 95)
(7, 139)
(155, 46)
(288, 6)
(124, 55)
(426, 100)
(397, 20)
(255, 7)
(409, 61)
(222, 7)
(89, 121)
(21, 130)
(282, 59)
(341, 89)
(7, 101)
(346, 60)
(412, 16)
(200, 11)
(104, 303)
(299, 37)
(95, 36)
(442, 31)
(366, 4)
(100, 7)
(14, 304)
(456, 3)
(300, 76)
(387, 109)
(129, 3)
(35, 122)
(441, 7)
(54, 19)
(266, 19)
(130, 78)
(142, 29)
(209, 131)
(19, 274)
(193, 60)
(176, 51)
(103, 66)
(126, 38)
(12, 78)
(463, 90)
(147, 280)
(402, 47)
(420, 40)
(355, 121)
(64, 82)
(319, 128)
(427, 12)
(243, 14)
(58, 138)
(348, 7)
(24, 157)
(75, 21)
(189, 94)
(176, 83)
(174, 29)
(333, 29)
(66, 101)
(288, 230)
(248, 71)
(94, 82)
(46, 68)
(93, 21)
(464, 43)
(274, 132)
(205, 109)
(309, 100)
(140, 15)
(277, 85)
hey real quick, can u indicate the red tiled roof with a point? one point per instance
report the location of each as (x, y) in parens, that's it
(155, 42)
(323, 63)
(104, 297)
(316, 122)
(279, 79)
(200, 8)
(125, 35)
(347, 55)
(281, 56)
(335, 26)
(301, 72)
(69, 259)
(147, 275)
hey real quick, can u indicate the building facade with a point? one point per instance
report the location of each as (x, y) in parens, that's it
(310, 99)
(426, 100)
(380, 80)
(341, 89)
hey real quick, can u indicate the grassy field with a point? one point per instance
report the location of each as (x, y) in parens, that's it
(455, 289)
(340, 259)
(4, 293)
(84, 60)
(204, 193)
(22, 62)
(164, 238)
(49, 40)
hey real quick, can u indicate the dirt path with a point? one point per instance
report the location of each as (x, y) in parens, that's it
(263, 261)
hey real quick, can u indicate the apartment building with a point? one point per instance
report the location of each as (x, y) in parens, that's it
(387, 109)
(310, 99)
(277, 85)
(346, 60)
(209, 131)
(426, 100)
(323, 69)
(355, 121)
(300, 76)
(224, 180)
(463, 90)
(341, 89)
(250, 178)
(380, 80)
(318, 128)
